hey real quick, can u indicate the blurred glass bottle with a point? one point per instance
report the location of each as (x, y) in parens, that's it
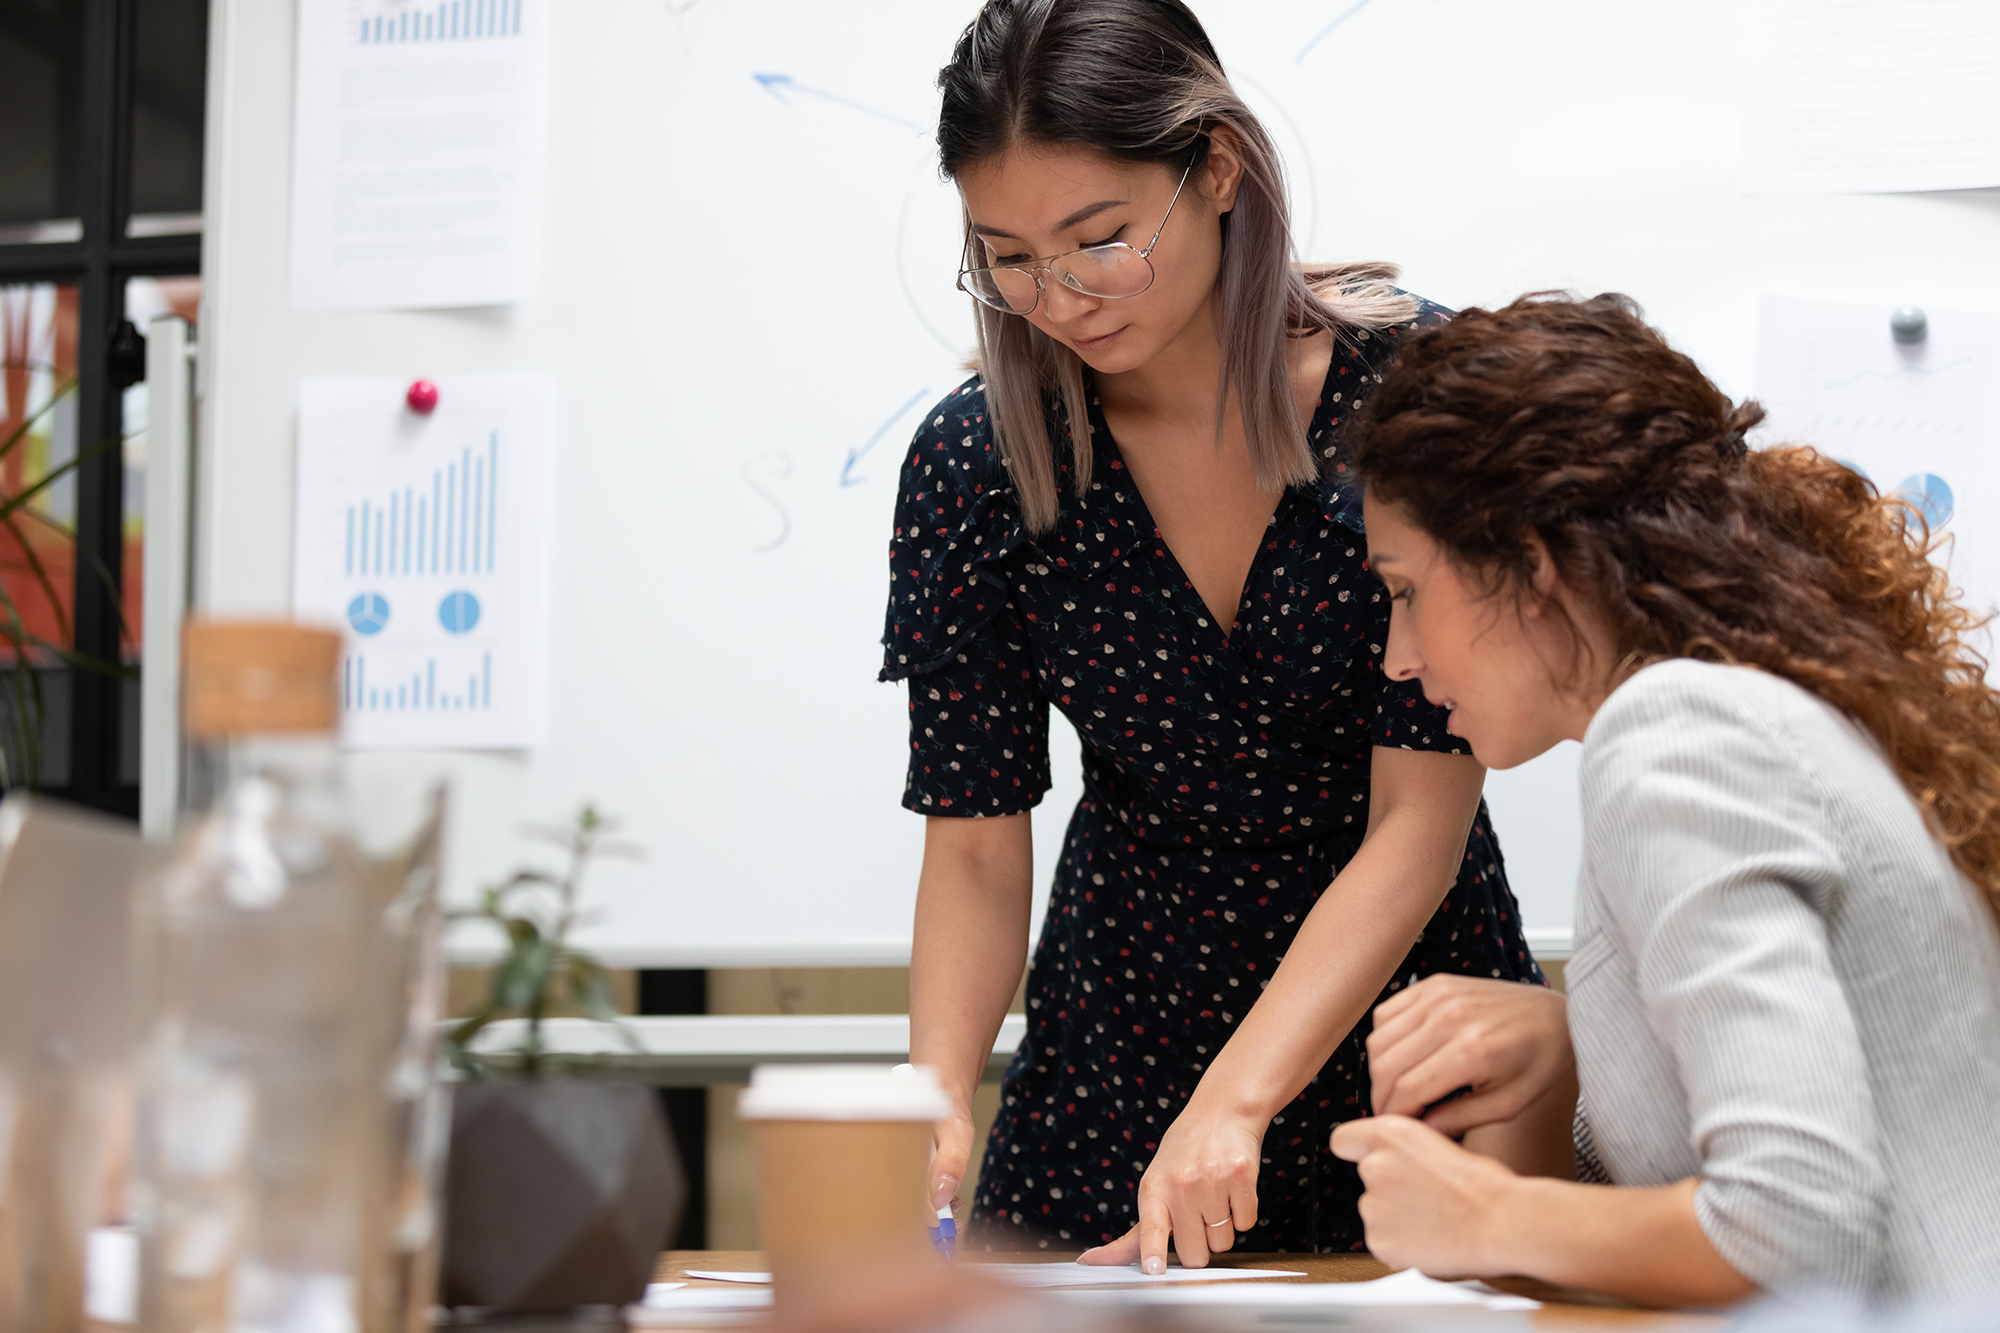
(274, 974)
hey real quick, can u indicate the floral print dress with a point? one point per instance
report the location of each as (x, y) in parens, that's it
(1226, 781)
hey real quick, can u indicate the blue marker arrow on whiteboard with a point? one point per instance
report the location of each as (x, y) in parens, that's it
(847, 477)
(779, 85)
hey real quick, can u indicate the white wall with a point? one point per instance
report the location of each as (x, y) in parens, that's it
(739, 293)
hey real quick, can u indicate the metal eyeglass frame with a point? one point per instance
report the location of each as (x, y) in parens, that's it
(1036, 268)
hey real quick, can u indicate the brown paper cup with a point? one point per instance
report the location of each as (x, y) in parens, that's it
(841, 1153)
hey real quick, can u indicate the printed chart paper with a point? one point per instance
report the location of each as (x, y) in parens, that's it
(426, 540)
(1869, 95)
(417, 152)
(1920, 420)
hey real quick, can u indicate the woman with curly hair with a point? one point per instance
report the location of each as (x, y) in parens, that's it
(1782, 1039)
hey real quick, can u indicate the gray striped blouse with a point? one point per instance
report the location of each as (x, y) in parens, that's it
(1783, 985)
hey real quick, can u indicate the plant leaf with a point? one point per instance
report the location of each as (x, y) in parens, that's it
(521, 982)
(41, 573)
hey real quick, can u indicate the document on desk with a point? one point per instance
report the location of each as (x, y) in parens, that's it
(425, 539)
(1065, 1275)
(1407, 1288)
(677, 1305)
(1921, 420)
(1101, 1275)
(1869, 96)
(417, 155)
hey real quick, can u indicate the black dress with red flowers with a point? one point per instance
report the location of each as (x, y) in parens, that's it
(1225, 784)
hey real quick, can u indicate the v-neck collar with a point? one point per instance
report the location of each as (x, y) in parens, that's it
(1100, 528)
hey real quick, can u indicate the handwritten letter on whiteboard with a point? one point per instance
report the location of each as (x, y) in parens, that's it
(425, 538)
(417, 153)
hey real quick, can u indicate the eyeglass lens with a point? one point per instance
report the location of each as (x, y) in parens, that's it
(1110, 271)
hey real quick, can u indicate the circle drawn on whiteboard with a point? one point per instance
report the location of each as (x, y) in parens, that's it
(930, 246)
(368, 613)
(1930, 495)
(458, 612)
(1295, 152)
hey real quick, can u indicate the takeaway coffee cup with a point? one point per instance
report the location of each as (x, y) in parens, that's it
(841, 1152)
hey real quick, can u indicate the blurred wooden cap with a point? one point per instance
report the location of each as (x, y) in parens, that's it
(248, 677)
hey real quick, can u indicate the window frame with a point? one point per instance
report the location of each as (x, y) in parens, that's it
(111, 356)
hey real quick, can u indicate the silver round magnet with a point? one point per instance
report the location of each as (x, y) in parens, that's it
(1909, 325)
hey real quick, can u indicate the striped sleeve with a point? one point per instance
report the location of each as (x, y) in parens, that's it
(1716, 840)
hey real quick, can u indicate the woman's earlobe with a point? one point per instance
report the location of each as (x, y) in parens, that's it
(1541, 566)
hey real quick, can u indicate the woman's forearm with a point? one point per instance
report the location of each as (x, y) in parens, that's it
(1351, 942)
(1643, 1244)
(1434, 1205)
(970, 942)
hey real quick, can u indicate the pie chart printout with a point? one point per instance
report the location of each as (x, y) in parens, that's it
(1931, 495)
(459, 612)
(368, 613)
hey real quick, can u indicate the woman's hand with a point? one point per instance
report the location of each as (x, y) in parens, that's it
(1507, 1041)
(951, 1154)
(1200, 1190)
(1429, 1203)
(1432, 1205)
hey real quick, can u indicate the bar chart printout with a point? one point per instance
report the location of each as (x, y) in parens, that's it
(426, 540)
(450, 21)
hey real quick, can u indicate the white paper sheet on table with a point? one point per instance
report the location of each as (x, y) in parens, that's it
(1919, 420)
(1407, 1288)
(1066, 1275)
(1099, 1275)
(711, 1275)
(417, 152)
(668, 1304)
(426, 539)
(1177, 1286)
(1869, 95)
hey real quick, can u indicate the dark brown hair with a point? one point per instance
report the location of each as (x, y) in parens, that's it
(1139, 81)
(1574, 421)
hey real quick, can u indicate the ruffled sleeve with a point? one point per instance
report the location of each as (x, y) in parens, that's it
(979, 723)
(956, 520)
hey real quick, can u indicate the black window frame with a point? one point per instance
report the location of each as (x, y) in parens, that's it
(111, 357)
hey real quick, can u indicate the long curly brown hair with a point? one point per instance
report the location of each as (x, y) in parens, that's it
(1575, 421)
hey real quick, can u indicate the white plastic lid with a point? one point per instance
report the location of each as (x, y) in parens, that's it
(843, 1092)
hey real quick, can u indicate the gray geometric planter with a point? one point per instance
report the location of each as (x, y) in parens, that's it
(557, 1194)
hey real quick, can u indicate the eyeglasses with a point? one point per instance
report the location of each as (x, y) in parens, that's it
(1112, 271)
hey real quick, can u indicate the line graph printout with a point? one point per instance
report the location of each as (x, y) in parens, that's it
(417, 153)
(426, 540)
(1920, 420)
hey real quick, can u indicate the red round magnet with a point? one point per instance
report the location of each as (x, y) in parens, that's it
(422, 397)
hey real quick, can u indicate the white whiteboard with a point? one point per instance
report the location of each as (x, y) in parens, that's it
(747, 301)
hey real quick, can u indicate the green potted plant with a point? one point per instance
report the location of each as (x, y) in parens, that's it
(38, 555)
(559, 1191)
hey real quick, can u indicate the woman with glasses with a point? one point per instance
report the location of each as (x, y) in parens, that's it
(1132, 514)
(1784, 1006)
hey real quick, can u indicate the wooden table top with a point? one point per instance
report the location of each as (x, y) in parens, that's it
(1562, 1308)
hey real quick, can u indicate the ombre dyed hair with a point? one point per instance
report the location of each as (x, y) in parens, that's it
(1139, 81)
